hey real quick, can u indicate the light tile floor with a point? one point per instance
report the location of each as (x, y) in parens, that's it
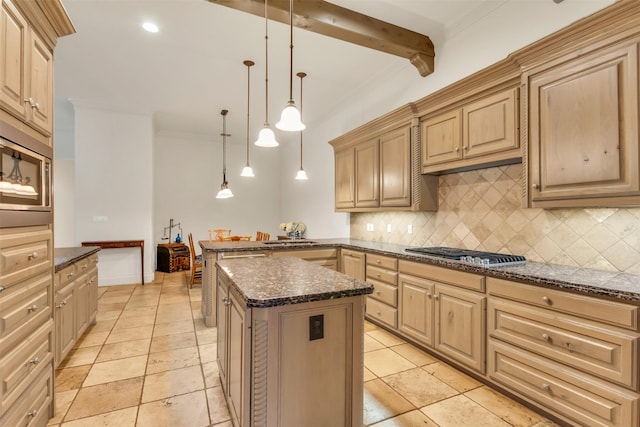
(150, 362)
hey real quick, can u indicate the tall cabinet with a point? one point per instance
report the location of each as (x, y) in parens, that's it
(29, 30)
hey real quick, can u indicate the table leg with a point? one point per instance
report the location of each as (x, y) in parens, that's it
(142, 262)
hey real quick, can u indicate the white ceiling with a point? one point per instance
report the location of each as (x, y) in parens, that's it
(185, 74)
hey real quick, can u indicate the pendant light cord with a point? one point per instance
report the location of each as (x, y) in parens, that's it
(266, 63)
(224, 145)
(249, 64)
(301, 75)
(290, 50)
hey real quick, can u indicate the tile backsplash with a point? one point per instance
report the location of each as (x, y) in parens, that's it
(481, 210)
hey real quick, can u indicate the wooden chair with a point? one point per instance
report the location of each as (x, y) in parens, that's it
(219, 234)
(196, 263)
(262, 236)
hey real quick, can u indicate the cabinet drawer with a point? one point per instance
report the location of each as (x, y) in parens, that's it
(382, 261)
(382, 312)
(23, 310)
(33, 408)
(331, 264)
(610, 312)
(606, 351)
(573, 395)
(86, 264)
(308, 254)
(25, 253)
(443, 275)
(20, 367)
(65, 276)
(384, 293)
(382, 275)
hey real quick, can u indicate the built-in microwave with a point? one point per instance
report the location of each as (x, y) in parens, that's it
(25, 178)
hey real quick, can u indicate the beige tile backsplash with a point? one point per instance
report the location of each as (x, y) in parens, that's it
(481, 210)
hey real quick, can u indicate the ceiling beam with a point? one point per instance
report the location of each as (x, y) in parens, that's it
(331, 20)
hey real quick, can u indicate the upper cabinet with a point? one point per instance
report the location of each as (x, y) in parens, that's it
(374, 168)
(481, 131)
(583, 129)
(26, 62)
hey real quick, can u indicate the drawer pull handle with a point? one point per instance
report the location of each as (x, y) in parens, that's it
(546, 337)
(546, 387)
(378, 292)
(226, 301)
(378, 275)
(436, 296)
(33, 256)
(428, 294)
(377, 261)
(1, 289)
(32, 413)
(34, 361)
(69, 275)
(32, 308)
(84, 266)
(546, 299)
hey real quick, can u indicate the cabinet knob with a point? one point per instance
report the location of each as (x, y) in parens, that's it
(32, 413)
(546, 387)
(378, 292)
(34, 255)
(30, 101)
(436, 296)
(226, 301)
(546, 337)
(546, 299)
(32, 308)
(377, 261)
(428, 294)
(457, 149)
(534, 186)
(378, 275)
(1, 289)
(69, 275)
(465, 148)
(34, 361)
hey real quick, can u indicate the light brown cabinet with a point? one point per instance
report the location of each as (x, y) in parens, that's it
(27, 71)
(382, 272)
(357, 176)
(481, 131)
(579, 361)
(345, 176)
(583, 129)
(76, 303)
(436, 310)
(395, 168)
(352, 263)
(326, 257)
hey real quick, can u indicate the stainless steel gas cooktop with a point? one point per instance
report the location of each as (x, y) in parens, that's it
(486, 259)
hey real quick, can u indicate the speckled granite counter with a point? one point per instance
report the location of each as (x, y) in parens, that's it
(620, 286)
(269, 282)
(64, 257)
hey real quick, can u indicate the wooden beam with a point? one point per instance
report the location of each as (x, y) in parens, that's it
(331, 20)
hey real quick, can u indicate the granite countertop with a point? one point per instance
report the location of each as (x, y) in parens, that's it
(270, 282)
(612, 285)
(64, 257)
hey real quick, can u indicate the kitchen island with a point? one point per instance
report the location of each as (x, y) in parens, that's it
(290, 342)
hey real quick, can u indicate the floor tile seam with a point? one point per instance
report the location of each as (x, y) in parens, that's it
(494, 413)
(391, 417)
(63, 421)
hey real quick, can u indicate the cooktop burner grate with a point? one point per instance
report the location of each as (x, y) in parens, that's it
(487, 259)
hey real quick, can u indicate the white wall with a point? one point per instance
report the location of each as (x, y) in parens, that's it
(187, 177)
(113, 179)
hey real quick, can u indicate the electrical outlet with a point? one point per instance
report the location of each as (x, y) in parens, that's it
(369, 226)
(316, 327)
(410, 229)
(388, 228)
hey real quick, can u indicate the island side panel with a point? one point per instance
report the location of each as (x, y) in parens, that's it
(316, 381)
(208, 304)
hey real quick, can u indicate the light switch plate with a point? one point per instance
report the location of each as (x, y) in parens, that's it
(388, 228)
(410, 229)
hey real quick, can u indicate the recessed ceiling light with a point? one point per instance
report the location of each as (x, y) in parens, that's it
(150, 26)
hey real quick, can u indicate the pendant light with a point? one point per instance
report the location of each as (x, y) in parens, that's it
(290, 118)
(247, 171)
(301, 175)
(225, 191)
(266, 137)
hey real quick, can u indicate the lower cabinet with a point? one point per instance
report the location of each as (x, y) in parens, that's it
(352, 263)
(75, 303)
(382, 305)
(448, 319)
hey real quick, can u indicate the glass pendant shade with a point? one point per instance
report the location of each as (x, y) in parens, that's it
(247, 171)
(266, 137)
(225, 192)
(301, 175)
(290, 119)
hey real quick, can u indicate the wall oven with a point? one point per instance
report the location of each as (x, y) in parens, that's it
(25, 179)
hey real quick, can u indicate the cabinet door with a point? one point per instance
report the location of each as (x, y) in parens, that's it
(345, 178)
(416, 308)
(583, 128)
(82, 304)
(41, 85)
(352, 263)
(65, 321)
(395, 168)
(93, 295)
(237, 369)
(367, 158)
(13, 44)
(222, 298)
(460, 325)
(441, 138)
(489, 125)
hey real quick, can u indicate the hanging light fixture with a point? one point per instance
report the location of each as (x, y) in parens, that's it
(225, 191)
(290, 118)
(247, 171)
(301, 175)
(266, 137)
